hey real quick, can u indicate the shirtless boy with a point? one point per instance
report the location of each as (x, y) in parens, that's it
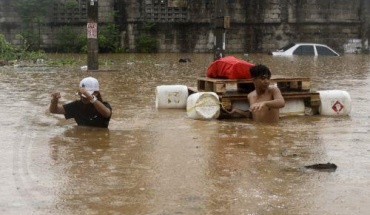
(265, 101)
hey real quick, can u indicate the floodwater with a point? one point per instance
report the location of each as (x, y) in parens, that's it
(159, 162)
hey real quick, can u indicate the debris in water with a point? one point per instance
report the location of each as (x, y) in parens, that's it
(184, 60)
(328, 167)
(84, 68)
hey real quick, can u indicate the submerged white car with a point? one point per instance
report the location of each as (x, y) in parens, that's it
(308, 49)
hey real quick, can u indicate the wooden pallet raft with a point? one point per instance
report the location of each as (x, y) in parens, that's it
(231, 90)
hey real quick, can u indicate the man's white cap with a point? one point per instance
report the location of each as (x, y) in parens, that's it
(90, 84)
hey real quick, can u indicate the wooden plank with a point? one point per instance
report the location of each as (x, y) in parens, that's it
(219, 87)
(223, 85)
(294, 85)
(200, 84)
(192, 90)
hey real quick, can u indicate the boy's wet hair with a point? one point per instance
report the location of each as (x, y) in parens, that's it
(259, 71)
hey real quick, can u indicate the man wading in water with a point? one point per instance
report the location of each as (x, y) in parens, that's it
(264, 101)
(90, 110)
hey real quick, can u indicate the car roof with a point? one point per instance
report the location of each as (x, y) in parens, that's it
(306, 43)
(287, 49)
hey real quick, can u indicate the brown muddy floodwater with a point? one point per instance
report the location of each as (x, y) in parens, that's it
(159, 162)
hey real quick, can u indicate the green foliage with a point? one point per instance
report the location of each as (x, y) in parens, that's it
(33, 10)
(34, 15)
(23, 51)
(68, 40)
(83, 40)
(109, 39)
(10, 52)
(70, 5)
(7, 51)
(148, 26)
(145, 42)
(31, 40)
(33, 55)
(24, 45)
(62, 62)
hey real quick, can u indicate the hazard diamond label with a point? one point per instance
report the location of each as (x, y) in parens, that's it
(337, 107)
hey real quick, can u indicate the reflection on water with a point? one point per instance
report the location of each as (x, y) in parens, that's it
(160, 162)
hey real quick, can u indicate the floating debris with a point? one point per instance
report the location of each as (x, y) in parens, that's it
(328, 167)
(84, 68)
(184, 60)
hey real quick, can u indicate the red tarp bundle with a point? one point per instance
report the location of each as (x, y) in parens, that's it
(229, 67)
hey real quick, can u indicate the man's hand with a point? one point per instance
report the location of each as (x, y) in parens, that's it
(82, 91)
(54, 107)
(55, 96)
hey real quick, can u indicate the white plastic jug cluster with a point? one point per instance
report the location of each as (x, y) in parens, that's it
(171, 96)
(293, 107)
(334, 103)
(203, 105)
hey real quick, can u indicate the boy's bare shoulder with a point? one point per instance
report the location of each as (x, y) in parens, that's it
(251, 94)
(274, 89)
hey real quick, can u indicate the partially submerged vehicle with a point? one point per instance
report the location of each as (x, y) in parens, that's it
(308, 49)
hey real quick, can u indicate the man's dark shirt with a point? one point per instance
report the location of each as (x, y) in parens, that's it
(86, 114)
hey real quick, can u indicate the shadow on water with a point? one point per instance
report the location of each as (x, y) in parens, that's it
(154, 161)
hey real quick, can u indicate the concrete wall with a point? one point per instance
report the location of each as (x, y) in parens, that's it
(275, 23)
(9, 20)
(187, 26)
(11, 24)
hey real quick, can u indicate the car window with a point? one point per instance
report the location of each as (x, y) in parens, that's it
(321, 50)
(287, 47)
(304, 50)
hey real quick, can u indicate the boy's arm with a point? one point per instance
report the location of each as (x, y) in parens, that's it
(245, 113)
(276, 102)
(278, 99)
(99, 106)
